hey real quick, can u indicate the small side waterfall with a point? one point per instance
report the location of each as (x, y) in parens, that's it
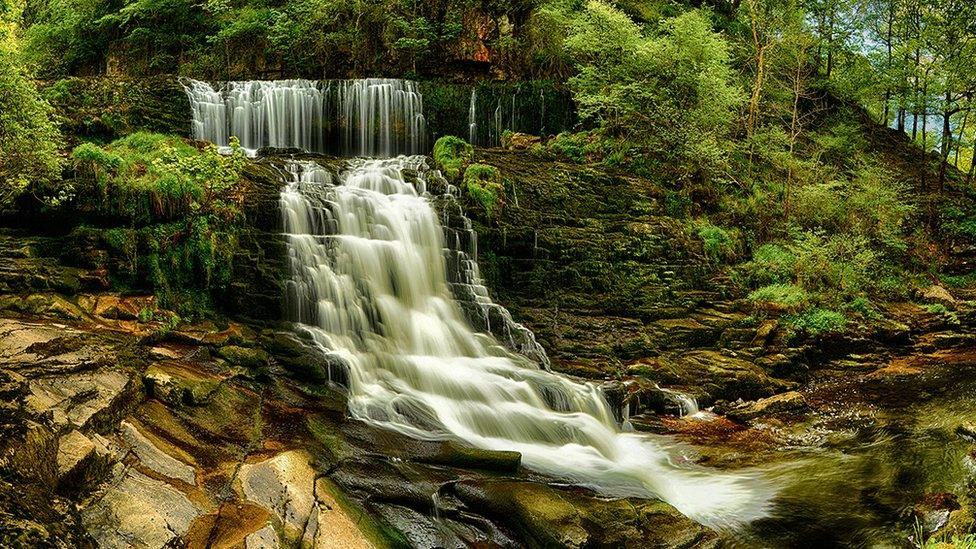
(473, 118)
(369, 117)
(369, 285)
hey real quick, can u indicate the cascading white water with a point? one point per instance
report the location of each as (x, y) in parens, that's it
(369, 285)
(473, 118)
(369, 117)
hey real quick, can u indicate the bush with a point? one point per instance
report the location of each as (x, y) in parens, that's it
(181, 212)
(786, 296)
(146, 178)
(484, 184)
(771, 264)
(815, 322)
(673, 94)
(574, 146)
(717, 244)
(452, 156)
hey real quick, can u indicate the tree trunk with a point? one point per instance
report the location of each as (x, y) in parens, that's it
(888, 38)
(830, 44)
(925, 145)
(756, 92)
(962, 134)
(972, 166)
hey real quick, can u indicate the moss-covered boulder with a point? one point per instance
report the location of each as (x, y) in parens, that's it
(549, 517)
(452, 156)
(244, 356)
(483, 184)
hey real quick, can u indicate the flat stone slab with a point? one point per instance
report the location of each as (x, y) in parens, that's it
(286, 485)
(75, 398)
(154, 458)
(139, 512)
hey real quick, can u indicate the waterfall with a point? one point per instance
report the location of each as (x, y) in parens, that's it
(368, 117)
(370, 284)
(686, 405)
(473, 118)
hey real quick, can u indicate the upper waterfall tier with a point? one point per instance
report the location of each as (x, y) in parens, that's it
(369, 117)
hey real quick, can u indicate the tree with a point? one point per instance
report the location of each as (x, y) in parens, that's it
(29, 139)
(770, 24)
(671, 93)
(834, 24)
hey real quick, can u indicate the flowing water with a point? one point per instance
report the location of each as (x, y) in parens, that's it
(377, 285)
(369, 284)
(366, 117)
(386, 284)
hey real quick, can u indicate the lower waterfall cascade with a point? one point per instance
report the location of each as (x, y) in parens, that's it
(370, 287)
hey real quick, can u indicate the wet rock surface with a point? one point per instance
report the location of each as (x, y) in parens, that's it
(123, 432)
(119, 432)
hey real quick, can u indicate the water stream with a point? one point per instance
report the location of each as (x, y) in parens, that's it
(366, 117)
(370, 284)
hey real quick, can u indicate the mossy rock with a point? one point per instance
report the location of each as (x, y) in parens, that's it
(549, 517)
(452, 155)
(108, 108)
(457, 455)
(176, 390)
(483, 183)
(244, 356)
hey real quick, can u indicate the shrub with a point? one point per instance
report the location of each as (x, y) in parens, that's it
(147, 177)
(771, 264)
(484, 184)
(863, 307)
(717, 243)
(787, 296)
(815, 322)
(180, 207)
(452, 156)
(673, 94)
(570, 145)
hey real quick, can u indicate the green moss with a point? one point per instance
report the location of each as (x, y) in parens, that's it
(452, 156)
(484, 184)
(107, 108)
(173, 212)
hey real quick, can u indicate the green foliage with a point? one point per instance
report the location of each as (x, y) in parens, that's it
(717, 243)
(815, 322)
(862, 306)
(771, 264)
(181, 212)
(452, 156)
(957, 223)
(484, 184)
(146, 178)
(787, 296)
(571, 145)
(103, 109)
(953, 542)
(63, 36)
(672, 94)
(29, 140)
(677, 204)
